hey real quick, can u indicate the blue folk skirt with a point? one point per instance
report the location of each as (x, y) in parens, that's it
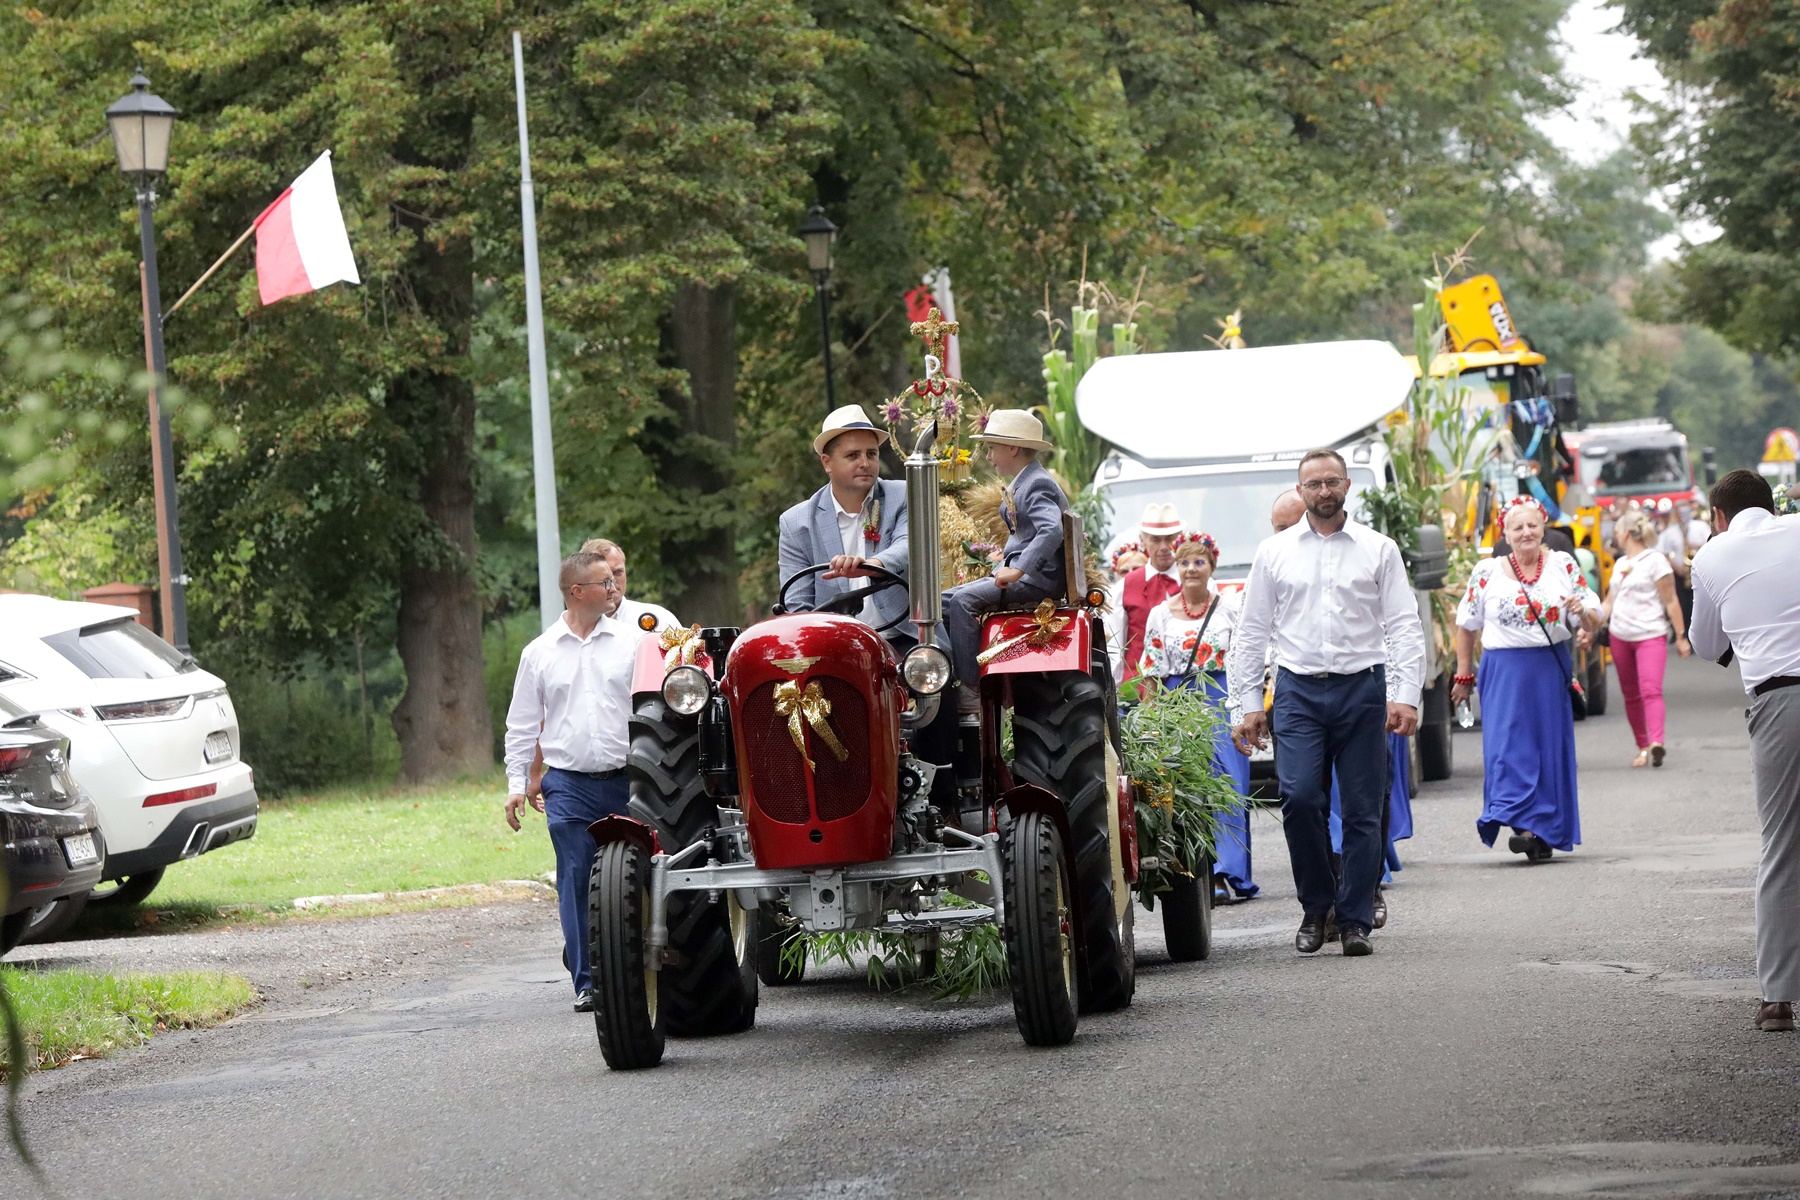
(1231, 845)
(1528, 745)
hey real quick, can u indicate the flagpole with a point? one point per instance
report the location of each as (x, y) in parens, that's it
(235, 247)
(543, 454)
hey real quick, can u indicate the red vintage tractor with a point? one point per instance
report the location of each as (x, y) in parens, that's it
(774, 791)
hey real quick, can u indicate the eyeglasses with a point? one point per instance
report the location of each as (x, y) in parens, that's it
(1329, 484)
(606, 583)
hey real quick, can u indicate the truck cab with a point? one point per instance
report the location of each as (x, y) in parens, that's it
(1220, 434)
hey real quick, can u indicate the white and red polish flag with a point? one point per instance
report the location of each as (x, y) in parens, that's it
(301, 242)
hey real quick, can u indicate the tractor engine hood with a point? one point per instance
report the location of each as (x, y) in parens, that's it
(815, 715)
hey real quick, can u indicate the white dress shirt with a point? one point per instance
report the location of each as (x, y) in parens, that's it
(1331, 604)
(1747, 596)
(630, 610)
(572, 697)
(850, 532)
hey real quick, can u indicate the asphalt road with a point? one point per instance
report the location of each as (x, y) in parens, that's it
(1578, 1028)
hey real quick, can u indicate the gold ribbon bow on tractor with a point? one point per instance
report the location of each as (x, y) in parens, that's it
(1045, 626)
(680, 647)
(812, 706)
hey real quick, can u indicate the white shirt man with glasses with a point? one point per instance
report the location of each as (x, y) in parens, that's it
(1333, 598)
(572, 698)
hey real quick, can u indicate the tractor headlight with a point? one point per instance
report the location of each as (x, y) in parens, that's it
(686, 690)
(926, 670)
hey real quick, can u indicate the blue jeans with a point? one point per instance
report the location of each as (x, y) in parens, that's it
(1334, 721)
(572, 802)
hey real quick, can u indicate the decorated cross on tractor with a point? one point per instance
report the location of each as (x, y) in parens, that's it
(936, 333)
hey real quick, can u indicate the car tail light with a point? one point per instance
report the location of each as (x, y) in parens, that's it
(14, 757)
(182, 796)
(138, 710)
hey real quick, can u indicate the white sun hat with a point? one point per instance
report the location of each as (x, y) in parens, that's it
(1159, 520)
(1014, 427)
(849, 418)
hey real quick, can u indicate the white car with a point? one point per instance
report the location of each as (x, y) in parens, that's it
(153, 738)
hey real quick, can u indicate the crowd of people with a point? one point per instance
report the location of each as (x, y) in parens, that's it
(1323, 643)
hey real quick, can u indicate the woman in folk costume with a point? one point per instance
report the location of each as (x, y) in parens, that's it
(1141, 589)
(1526, 607)
(1185, 640)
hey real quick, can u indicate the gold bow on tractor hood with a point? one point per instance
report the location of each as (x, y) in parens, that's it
(680, 647)
(794, 703)
(1045, 626)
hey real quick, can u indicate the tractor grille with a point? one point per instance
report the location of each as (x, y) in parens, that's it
(840, 788)
(777, 776)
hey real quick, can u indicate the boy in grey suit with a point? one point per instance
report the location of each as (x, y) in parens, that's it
(1032, 569)
(855, 521)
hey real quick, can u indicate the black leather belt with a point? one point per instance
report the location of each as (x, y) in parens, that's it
(1775, 683)
(612, 774)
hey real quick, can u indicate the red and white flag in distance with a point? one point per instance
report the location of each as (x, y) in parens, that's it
(301, 242)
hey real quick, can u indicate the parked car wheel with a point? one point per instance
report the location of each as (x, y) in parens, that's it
(127, 891)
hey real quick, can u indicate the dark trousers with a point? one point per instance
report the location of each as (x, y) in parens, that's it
(572, 802)
(1326, 722)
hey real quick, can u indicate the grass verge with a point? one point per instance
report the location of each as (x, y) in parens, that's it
(71, 1015)
(345, 840)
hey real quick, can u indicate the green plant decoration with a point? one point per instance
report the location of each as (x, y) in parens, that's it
(1180, 796)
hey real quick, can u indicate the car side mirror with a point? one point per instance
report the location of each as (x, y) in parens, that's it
(1430, 563)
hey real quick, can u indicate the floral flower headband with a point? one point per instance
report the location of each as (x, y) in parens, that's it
(1118, 556)
(1525, 502)
(1203, 540)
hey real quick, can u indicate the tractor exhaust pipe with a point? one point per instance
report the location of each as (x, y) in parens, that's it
(923, 582)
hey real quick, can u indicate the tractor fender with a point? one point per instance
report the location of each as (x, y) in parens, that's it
(1128, 832)
(621, 828)
(1023, 646)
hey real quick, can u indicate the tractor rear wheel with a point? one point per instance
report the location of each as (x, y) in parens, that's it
(1188, 914)
(628, 1013)
(774, 934)
(1060, 744)
(1039, 930)
(710, 986)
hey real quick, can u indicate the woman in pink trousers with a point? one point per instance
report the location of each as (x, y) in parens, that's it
(1641, 611)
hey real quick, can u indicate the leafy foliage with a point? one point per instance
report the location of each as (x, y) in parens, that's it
(1168, 753)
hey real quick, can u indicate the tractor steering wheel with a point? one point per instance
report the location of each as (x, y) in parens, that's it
(850, 603)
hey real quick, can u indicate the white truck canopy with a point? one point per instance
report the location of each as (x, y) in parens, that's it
(1267, 402)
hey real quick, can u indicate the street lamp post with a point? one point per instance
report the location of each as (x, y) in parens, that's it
(819, 233)
(141, 123)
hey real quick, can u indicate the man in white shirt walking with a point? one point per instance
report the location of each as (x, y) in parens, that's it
(1747, 603)
(572, 697)
(1333, 596)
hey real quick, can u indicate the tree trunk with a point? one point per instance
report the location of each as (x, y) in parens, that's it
(699, 337)
(442, 720)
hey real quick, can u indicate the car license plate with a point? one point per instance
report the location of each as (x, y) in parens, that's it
(80, 850)
(218, 746)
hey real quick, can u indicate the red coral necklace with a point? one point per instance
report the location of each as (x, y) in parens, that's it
(1189, 613)
(1519, 572)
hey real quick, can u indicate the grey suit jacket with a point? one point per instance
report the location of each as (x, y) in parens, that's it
(809, 538)
(1035, 545)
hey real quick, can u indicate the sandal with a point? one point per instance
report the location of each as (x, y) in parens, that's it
(1643, 756)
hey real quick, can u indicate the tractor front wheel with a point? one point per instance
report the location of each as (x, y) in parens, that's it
(1060, 744)
(1039, 930)
(628, 1013)
(710, 987)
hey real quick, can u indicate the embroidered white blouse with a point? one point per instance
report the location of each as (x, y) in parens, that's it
(1500, 607)
(1170, 636)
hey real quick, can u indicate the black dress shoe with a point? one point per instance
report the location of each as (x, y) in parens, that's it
(584, 1001)
(1380, 909)
(1356, 942)
(1312, 932)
